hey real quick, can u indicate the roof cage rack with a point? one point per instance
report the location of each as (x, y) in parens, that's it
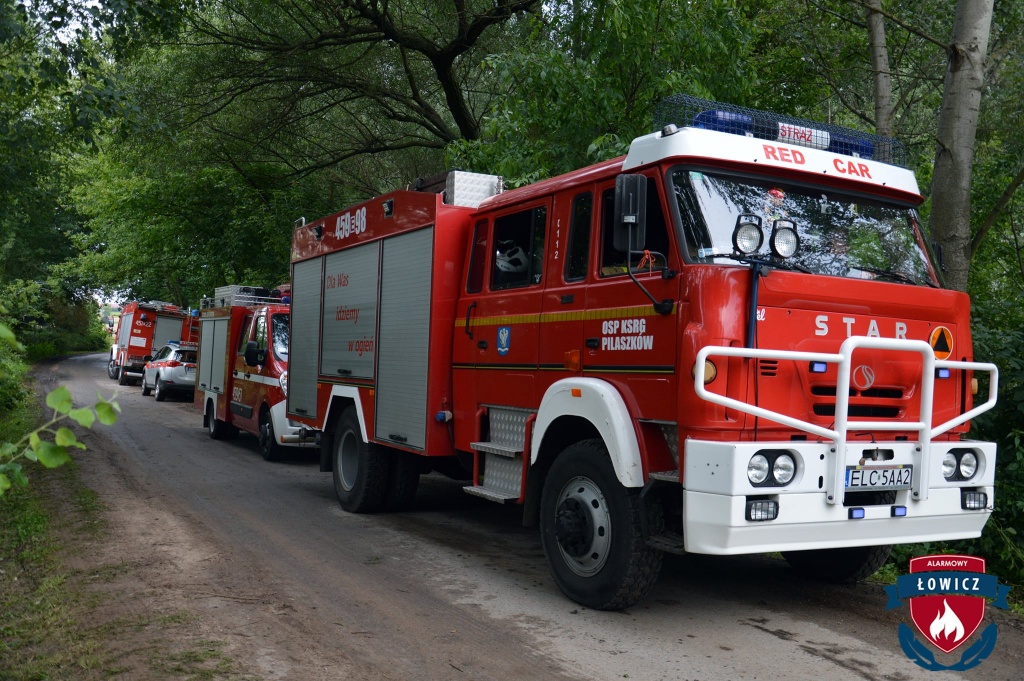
(247, 296)
(687, 111)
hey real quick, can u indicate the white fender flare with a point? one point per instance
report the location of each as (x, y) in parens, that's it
(602, 405)
(348, 392)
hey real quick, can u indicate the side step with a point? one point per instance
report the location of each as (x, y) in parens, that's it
(502, 475)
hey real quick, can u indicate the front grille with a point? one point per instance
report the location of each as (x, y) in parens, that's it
(865, 411)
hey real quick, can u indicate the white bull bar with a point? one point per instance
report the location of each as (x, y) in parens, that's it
(844, 358)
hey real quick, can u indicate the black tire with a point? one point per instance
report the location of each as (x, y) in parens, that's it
(218, 429)
(590, 531)
(160, 392)
(112, 369)
(402, 482)
(146, 390)
(269, 447)
(361, 469)
(122, 378)
(838, 566)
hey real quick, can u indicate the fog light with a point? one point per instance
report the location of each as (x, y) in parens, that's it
(899, 511)
(762, 509)
(856, 513)
(971, 500)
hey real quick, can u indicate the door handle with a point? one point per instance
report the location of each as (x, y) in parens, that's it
(593, 343)
(482, 344)
(566, 299)
(469, 311)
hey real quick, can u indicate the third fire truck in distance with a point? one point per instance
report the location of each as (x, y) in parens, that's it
(731, 340)
(143, 328)
(242, 374)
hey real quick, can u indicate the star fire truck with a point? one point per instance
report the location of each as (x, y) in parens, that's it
(143, 328)
(242, 372)
(731, 340)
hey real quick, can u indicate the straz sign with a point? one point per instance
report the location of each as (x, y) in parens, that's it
(947, 605)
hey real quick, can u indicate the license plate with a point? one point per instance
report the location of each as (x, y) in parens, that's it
(879, 477)
(190, 370)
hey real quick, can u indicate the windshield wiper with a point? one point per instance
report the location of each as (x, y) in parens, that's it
(770, 262)
(892, 274)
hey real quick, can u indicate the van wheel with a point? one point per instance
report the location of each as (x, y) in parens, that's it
(218, 429)
(160, 392)
(839, 565)
(361, 469)
(146, 390)
(402, 482)
(269, 447)
(112, 369)
(591, 531)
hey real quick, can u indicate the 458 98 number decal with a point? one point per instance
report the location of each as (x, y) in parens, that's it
(350, 224)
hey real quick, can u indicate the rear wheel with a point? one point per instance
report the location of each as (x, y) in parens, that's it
(360, 469)
(122, 378)
(590, 531)
(218, 429)
(160, 393)
(269, 447)
(402, 482)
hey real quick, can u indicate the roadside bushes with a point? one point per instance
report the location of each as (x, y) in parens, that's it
(50, 320)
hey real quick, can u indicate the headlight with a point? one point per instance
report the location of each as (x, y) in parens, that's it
(949, 465)
(747, 238)
(968, 466)
(283, 380)
(784, 469)
(757, 469)
(784, 241)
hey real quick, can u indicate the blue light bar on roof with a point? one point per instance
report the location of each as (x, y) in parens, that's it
(725, 121)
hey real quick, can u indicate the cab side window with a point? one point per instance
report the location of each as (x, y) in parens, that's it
(614, 262)
(261, 332)
(475, 282)
(519, 244)
(243, 337)
(578, 251)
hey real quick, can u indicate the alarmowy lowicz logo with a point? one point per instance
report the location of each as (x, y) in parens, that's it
(947, 604)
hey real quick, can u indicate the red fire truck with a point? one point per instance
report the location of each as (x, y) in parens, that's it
(142, 328)
(242, 373)
(731, 340)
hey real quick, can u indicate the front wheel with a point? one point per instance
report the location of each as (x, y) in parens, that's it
(269, 447)
(146, 390)
(839, 565)
(590, 531)
(112, 369)
(160, 392)
(361, 470)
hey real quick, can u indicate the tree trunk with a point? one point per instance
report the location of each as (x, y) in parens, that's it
(958, 124)
(880, 68)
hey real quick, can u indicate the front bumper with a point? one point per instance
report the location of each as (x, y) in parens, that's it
(716, 491)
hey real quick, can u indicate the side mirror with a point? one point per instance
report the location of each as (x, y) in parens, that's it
(147, 358)
(629, 232)
(253, 355)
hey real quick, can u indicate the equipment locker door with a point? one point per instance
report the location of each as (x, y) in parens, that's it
(404, 338)
(167, 329)
(304, 354)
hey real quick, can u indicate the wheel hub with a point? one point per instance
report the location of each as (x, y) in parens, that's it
(573, 527)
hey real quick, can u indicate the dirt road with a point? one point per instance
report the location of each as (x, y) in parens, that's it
(274, 574)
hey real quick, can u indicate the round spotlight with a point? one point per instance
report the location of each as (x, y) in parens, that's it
(968, 466)
(949, 465)
(784, 469)
(785, 241)
(757, 469)
(747, 238)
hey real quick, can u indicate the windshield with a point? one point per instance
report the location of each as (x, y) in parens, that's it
(279, 334)
(840, 234)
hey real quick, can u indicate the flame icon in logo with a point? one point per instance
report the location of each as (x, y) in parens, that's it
(946, 623)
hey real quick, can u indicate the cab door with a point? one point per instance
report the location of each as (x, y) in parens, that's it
(497, 341)
(242, 395)
(627, 341)
(565, 294)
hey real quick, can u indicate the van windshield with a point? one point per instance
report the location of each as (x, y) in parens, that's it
(840, 234)
(279, 335)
